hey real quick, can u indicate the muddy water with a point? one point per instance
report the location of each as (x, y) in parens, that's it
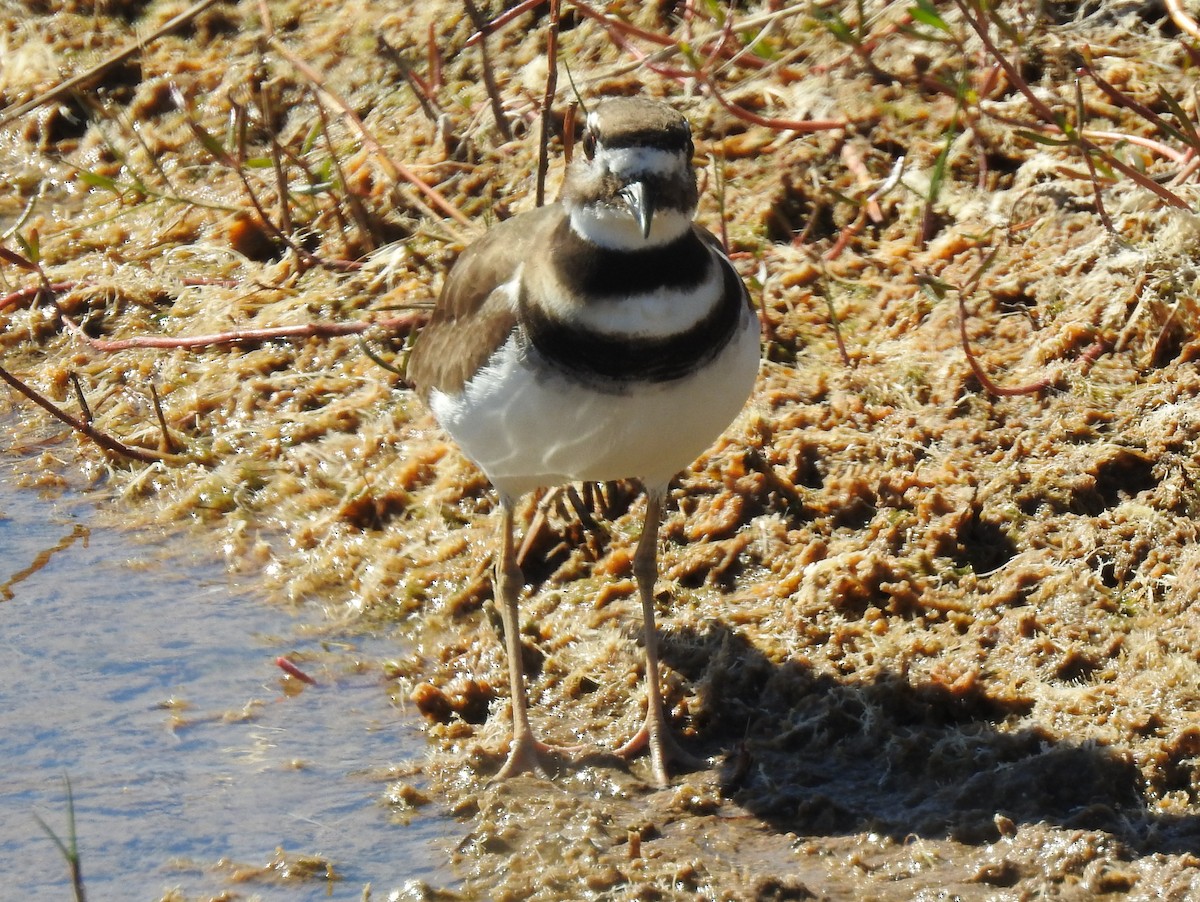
(138, 671)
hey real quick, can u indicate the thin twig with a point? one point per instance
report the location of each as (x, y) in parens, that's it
(285, 210)
(547, 101)
(399, 324)
(359, 213)
(702, 43)
(435, 59)
(1095, 134)
(489, 75)
(501, 20)
(422, 90)
(397, 171)
(837, 331)
(107, 442)
(79, 396)
(984, 379)
(30, 262)
(1122, 99)
(19, 222)
(1164, 335)
(976, 367)
(848, 233)
(83, 78)
(776, 124)
(1097, 191)
(868, 206)
(235, 165)
(853, 161)
(167, 444)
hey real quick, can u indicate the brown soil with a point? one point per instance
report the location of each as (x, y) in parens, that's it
(940, 642)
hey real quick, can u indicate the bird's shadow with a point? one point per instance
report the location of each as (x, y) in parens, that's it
(814, 754)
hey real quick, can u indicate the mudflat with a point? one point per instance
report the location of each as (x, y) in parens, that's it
(928, 606)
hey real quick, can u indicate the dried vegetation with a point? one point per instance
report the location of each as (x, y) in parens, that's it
(931, 600)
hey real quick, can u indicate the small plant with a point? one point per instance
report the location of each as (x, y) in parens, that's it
(69, 849)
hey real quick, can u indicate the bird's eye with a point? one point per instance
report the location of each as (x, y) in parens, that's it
(589, 143)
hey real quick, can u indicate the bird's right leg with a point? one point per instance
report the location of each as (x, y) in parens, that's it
(525, 750)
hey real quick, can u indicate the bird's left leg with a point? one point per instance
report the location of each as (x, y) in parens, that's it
(654, 733)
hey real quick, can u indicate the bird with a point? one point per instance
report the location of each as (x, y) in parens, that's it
(603, 337)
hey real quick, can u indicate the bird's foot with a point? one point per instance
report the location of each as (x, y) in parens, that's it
(663, 747)
(527, 754)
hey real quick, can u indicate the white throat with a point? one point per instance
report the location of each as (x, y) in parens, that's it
(614, 228)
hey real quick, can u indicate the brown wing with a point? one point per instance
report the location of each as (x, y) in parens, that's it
(470, 321)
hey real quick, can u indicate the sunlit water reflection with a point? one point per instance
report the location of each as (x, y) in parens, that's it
(105, 647)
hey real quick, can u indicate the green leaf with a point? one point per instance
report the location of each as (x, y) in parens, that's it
(758, 46)
(211, 144)
(689, 54)
(925, 13)
(939, 168)
(934, 288)
(96, 180)
(310, 140)
(31, 246)
(835, 25)
(1192, 140)
(716, 10)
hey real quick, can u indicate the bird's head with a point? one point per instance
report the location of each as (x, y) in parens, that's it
(633, 186)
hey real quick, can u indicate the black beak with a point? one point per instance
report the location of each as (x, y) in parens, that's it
(640, 200)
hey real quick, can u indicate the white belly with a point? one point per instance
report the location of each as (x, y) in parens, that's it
(528, 429)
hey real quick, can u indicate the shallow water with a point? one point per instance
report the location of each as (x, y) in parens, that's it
(139, 671)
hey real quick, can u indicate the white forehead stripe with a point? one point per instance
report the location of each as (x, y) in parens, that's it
(625, 162)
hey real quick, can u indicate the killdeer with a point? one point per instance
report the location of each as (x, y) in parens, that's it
(602, 337)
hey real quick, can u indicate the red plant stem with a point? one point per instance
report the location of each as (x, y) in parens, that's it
(548, 101)
(501, 20)
(398, 171)
(1047, 115)
(435, 60)
(292, 670)
(26, 294)
(984, 379)
(614, 25)
(785, 125)
(1122, 99)
(671, 72)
